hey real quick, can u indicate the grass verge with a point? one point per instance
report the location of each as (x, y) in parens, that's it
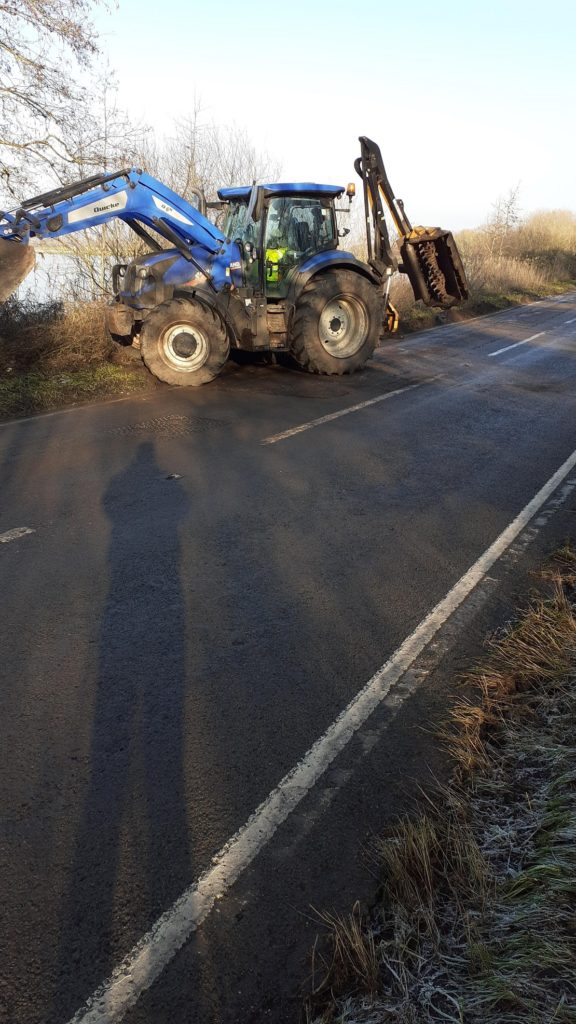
(475, 921)
(55, 354)
(25, 393)
(416, 317)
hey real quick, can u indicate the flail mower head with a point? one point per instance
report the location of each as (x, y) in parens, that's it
(432, 262)
(429, 256)
(16, 261)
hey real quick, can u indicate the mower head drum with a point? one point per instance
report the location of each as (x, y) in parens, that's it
(432, 262)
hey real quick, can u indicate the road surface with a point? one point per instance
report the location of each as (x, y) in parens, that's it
(195, 587)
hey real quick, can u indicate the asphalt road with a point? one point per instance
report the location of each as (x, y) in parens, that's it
(194, 608)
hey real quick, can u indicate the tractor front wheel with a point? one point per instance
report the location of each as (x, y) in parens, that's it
(185, 343)
(336, 323)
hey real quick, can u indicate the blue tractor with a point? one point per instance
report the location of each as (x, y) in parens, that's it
(271, 279)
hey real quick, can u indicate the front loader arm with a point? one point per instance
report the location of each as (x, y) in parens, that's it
(430, 257)
(136, 198)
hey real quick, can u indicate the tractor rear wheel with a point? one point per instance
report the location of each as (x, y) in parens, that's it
(337, 323)
(184, 342)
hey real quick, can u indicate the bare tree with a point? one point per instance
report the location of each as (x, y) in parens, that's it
(114, 144)
(45, 45)
(204, 155)
(505, 218)
(197, 155)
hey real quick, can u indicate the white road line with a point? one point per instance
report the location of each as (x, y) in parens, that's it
(516, 345)
(150, 956)
(19, 531)
(570, 321)
(274, 438)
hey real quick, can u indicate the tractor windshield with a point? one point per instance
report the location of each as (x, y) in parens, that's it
(302, 225)
(295, 228)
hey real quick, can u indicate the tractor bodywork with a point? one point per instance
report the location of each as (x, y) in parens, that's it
(275, 238)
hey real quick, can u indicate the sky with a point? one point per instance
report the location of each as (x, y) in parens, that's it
(466, 100)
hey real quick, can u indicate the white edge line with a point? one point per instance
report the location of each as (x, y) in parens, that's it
(274, 438)
(516, 345)
(570, 321)
(149, 957)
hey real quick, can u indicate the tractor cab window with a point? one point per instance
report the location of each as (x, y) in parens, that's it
(239, 226)
(295, 228)
(234, 218)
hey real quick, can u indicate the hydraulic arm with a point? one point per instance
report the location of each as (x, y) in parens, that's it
(136, 198)
(429, 256)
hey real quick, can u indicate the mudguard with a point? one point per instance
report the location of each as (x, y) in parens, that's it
(328, 260)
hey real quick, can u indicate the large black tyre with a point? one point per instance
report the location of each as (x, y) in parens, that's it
(185, 343)
(337, 323)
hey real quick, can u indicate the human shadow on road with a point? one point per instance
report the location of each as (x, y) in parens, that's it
(131, 850)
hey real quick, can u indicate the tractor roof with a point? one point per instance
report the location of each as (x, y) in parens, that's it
(242, 193)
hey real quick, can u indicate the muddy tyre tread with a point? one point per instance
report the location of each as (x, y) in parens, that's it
(305, 346)
(179, 310)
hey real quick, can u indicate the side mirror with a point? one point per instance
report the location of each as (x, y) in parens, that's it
(343, 232)
(249, 251)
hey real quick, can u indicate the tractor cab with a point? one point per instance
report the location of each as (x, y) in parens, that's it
(278, 228)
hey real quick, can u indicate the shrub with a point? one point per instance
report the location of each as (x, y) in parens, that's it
(52, 335)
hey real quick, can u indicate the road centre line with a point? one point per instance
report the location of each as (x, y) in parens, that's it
(15, 534)
(274, 438)
(146, 961)
(516, 344)
(570, 321)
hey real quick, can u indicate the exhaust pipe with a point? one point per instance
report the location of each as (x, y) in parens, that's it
(16, 262)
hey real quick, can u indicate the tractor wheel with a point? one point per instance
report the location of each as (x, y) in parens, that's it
(184, 342)
(337, 323)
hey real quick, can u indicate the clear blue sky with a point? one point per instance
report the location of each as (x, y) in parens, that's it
(465, 99)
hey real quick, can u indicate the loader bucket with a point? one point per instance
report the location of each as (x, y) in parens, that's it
(432, 262)
(16, 261)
